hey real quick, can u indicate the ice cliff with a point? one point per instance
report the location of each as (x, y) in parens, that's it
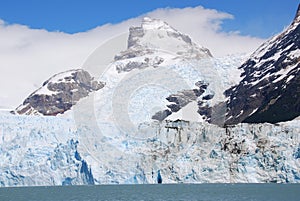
(53, 151)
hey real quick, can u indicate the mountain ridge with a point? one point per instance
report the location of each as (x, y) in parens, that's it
(269, 91)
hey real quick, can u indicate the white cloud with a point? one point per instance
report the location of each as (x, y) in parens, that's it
(30, 56)
(204, 27)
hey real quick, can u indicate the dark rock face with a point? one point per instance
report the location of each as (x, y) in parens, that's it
(59, 93)
(134, 34)
(270, 89)
(183, 98)
(161, 115)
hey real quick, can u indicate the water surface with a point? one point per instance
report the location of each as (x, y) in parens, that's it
(183, 192)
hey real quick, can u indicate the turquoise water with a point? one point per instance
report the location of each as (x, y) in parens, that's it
(188, 192)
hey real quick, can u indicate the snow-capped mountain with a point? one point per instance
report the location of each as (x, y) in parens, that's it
(59, 93)
(202, 78)
(157, 56)
(154, 44)
(155, 35)
(270, 88)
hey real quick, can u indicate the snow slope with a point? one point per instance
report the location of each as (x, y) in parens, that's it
(159, 61)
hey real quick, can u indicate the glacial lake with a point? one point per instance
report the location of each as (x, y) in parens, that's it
(158, 192)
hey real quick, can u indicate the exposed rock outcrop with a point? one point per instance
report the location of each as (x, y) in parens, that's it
(59, 93)
(270, 89)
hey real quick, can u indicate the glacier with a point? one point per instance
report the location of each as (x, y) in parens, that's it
(38, 150)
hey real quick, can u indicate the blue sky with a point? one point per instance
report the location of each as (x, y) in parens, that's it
(260, 18)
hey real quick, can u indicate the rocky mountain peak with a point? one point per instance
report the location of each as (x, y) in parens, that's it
(154, 36)
(155, 33)
(59, 93)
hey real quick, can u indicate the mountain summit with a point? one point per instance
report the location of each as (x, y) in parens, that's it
(156, 35)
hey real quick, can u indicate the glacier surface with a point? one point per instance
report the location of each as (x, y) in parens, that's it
(56, 151)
